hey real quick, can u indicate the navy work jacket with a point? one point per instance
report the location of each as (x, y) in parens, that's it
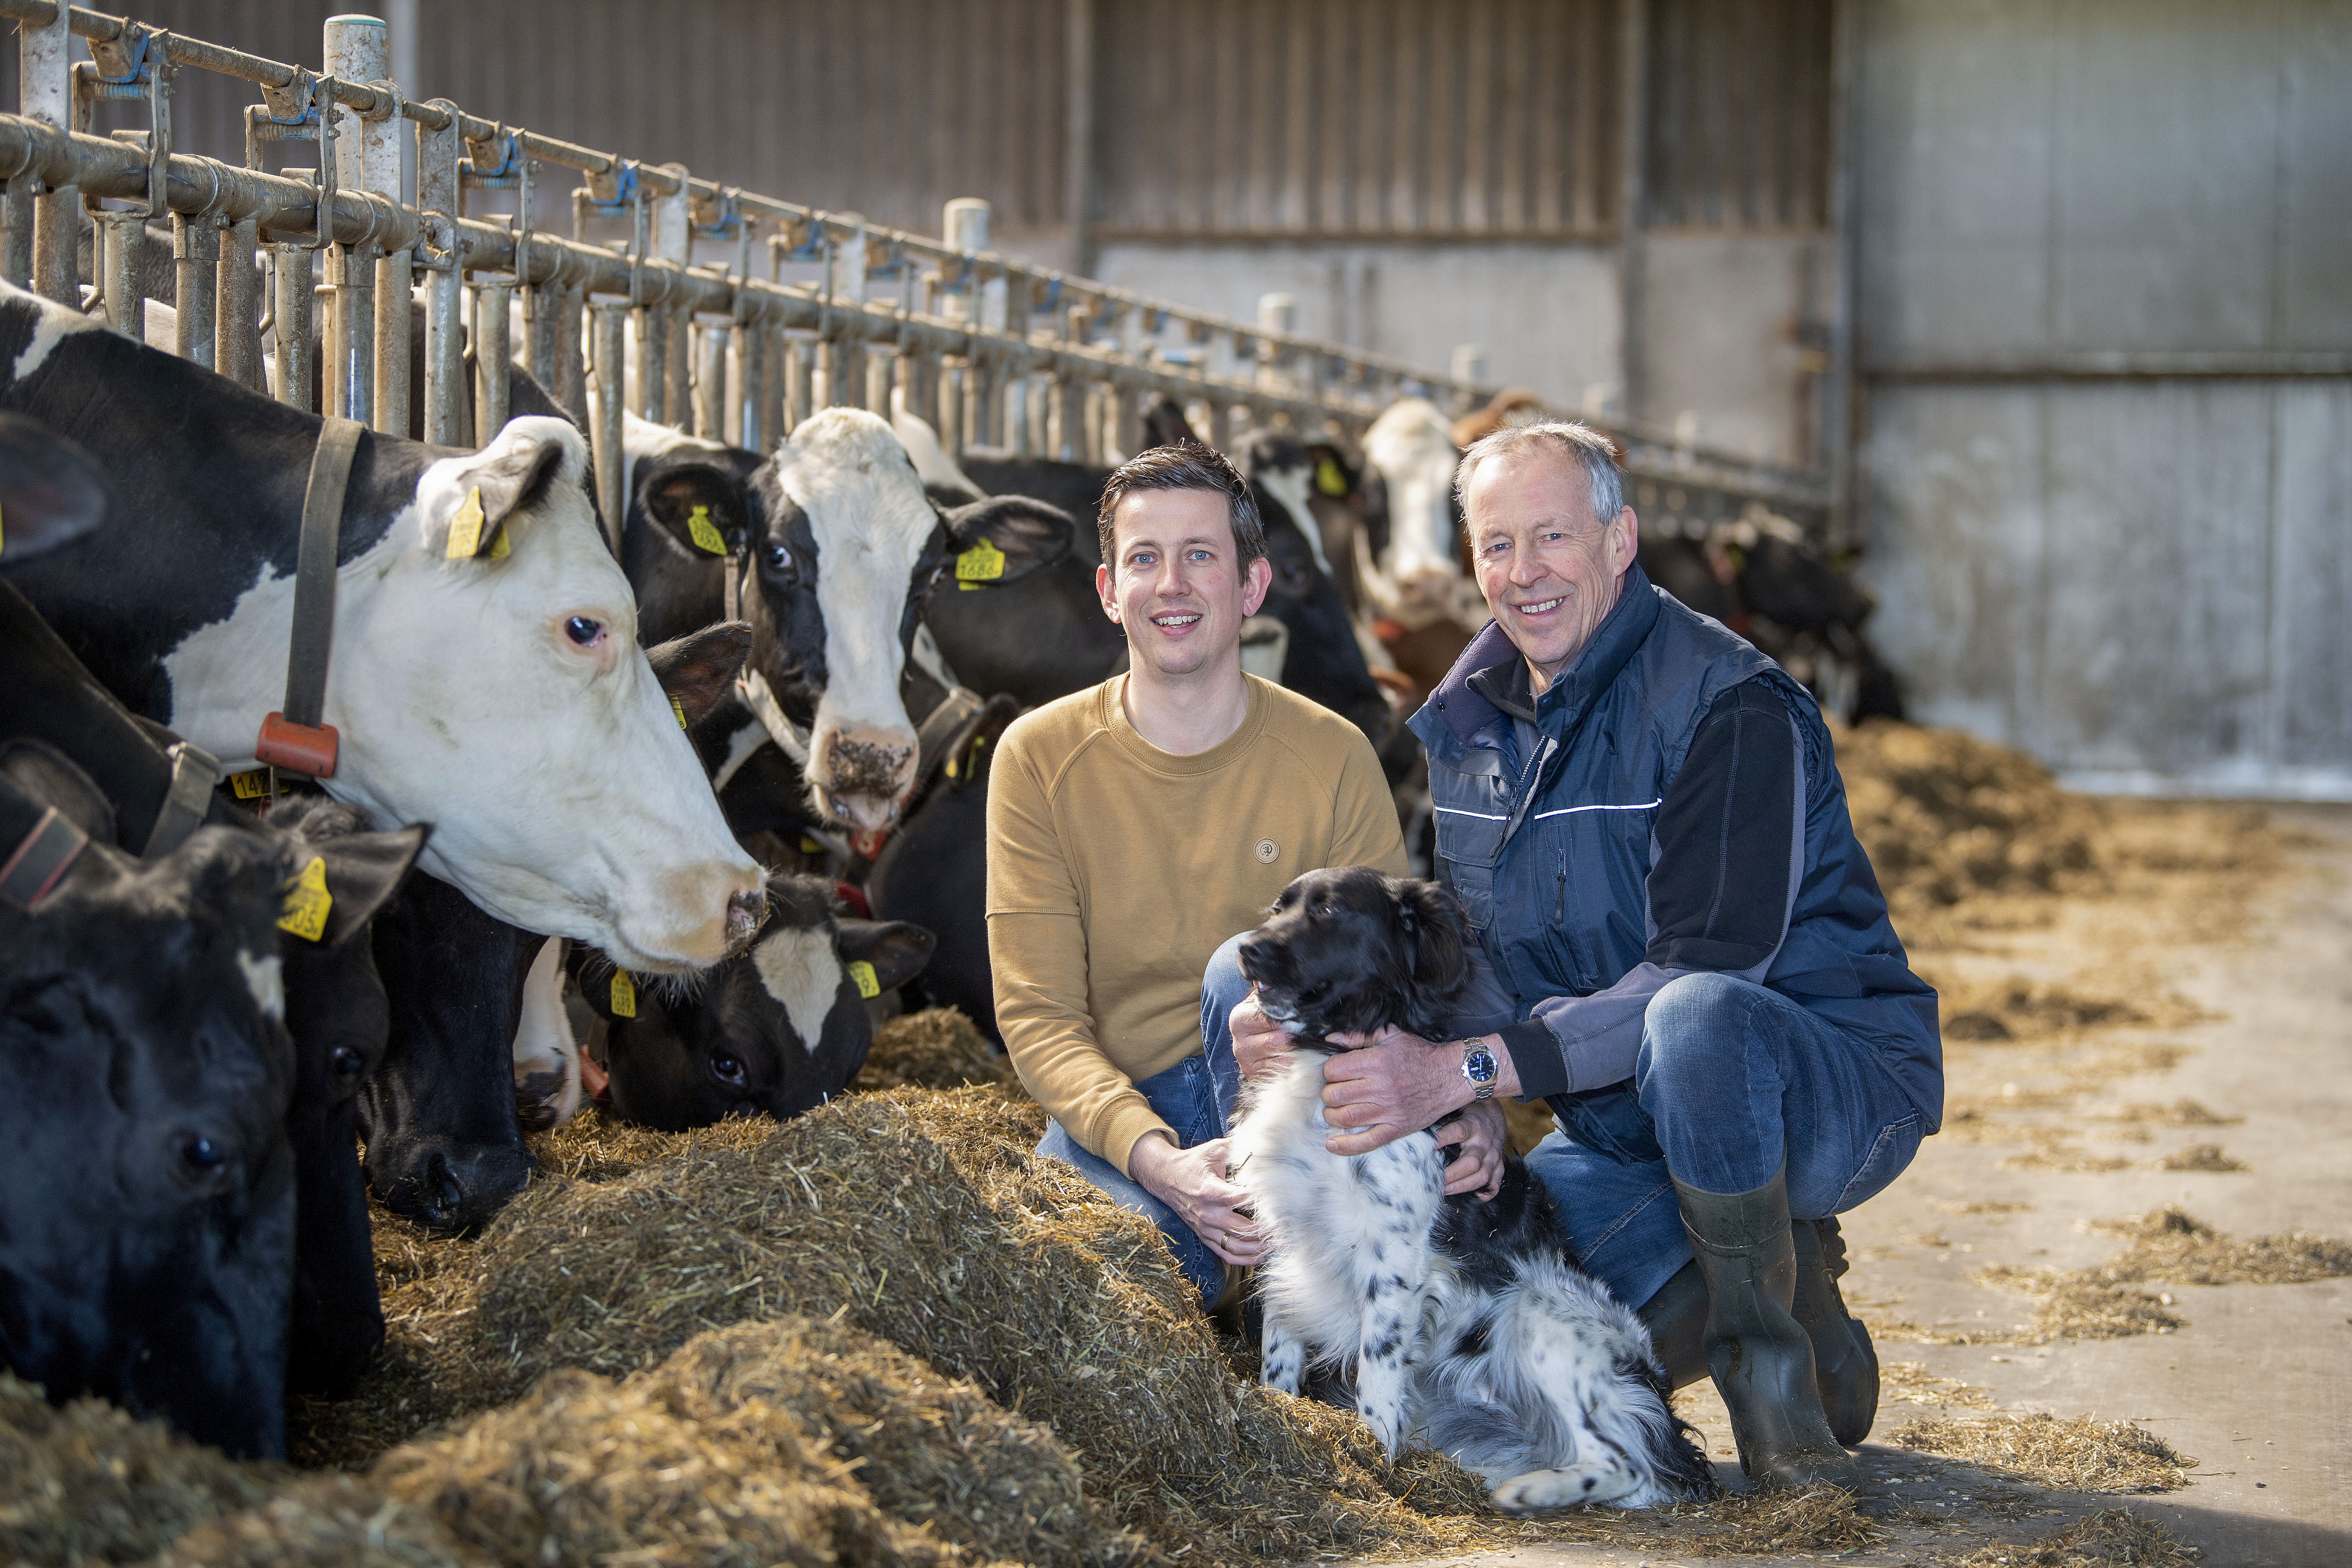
(1549, 855)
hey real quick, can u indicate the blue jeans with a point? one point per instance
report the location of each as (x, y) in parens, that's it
(1195, 1098)
(1733, 1081)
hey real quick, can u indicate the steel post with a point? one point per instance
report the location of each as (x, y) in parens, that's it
(609, 319)
(492, 304)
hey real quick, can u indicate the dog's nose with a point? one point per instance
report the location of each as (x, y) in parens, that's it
(1254, 953)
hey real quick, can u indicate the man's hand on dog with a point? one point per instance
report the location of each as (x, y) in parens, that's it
(1355, 1097)
(1193, 1183)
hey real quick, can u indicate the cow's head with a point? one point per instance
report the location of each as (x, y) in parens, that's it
(503, 697)
(1411, 446)
(775, 1032)
(149, 1236)
(843, 543)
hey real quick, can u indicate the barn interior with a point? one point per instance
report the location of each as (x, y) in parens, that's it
(1988, 366)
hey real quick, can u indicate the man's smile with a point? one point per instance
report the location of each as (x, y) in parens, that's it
(1175, 620)
(1541, 607)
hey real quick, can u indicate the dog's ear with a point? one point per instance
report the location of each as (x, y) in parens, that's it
(1429, 913)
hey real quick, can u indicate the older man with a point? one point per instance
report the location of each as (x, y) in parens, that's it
(1685, 953)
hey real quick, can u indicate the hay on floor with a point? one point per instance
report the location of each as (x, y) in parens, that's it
(2079, 1307)
(328, 1521)
(2065, 1454)
(2201, 1157)
(2111, 1538)
(89, 1483)
(937, 1047)
(2171, 1247)
(1911, 1382)
(922, 1218)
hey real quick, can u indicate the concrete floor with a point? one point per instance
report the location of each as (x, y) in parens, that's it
(2258, 1385)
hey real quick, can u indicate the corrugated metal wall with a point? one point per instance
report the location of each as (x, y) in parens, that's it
(1739, 115)
(1288, 120)
(1341, 119)
(2108, 468)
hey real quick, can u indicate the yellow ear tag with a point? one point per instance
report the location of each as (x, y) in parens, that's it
(679, 709)
(983, 563)
(810, 846)
(466, 528)
(869, 984)
(625, 994)
(705, 532)
(250, 785)
(308, 901)
(499, 548)
(1329, 480)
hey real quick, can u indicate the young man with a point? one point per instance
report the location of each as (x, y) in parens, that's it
(1134, 827)
(1682, 947)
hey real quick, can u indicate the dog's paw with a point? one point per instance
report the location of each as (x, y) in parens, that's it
(1574, 1487)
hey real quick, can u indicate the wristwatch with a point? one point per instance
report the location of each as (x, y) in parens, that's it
(1479, 1067)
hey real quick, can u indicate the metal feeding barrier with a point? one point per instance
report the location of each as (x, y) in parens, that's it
(993, 350)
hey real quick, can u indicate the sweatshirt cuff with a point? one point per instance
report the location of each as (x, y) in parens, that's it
(1538, 1059)
(1123, 1124)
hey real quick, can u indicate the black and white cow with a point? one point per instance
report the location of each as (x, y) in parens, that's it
(838, 543)
(774, 1032)
(501, 697)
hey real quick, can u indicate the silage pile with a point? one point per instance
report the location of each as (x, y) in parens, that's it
(878, 1334)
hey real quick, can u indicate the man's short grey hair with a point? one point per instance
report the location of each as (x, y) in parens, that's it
(1587, 446)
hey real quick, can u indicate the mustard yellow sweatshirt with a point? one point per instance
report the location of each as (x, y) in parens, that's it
(1116, 869)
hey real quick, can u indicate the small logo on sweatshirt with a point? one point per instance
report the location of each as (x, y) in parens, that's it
(1267, 849)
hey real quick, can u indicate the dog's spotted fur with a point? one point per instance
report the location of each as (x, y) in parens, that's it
(1468, 1325)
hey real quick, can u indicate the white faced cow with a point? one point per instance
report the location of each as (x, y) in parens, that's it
(500, 695)
(1412, 447)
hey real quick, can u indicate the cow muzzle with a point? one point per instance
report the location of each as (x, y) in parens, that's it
(861, 775)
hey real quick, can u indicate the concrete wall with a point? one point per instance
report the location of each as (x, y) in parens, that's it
(2086, 542)
(1547, 315)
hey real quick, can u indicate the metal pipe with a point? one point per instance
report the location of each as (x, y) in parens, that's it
(236, 319)
(571, 387)
(710, 384)
(653, 364)
(677, 365)
(291, 317)
(195, 260)
(492, 302)
(117, 294)
(609, 318)
(437, 196)
(392, 285)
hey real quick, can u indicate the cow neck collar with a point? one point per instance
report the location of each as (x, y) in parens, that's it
(1461, 700)
(1111, 714)
(760, 698)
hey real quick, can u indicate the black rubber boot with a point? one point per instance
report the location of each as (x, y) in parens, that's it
(1846, 1363)
(1762, 1362)
(1676, 1318)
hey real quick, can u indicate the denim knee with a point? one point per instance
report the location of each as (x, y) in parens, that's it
(1694, 1028)
(1224, 987)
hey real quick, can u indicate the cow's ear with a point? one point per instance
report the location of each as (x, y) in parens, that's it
(699, 505)
(897, 951)
(1005, 538)
(364, 870)
(697, 668)
(510, 476)
(50, 492)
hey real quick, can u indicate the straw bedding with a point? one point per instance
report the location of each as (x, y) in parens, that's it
(2069, 1453)
(2111, 1538)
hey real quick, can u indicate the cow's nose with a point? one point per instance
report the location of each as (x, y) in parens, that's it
(470, 1186)
(746, 912)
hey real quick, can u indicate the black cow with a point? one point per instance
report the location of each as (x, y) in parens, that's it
(775, 1032)
(934, 874)
(334, 1002)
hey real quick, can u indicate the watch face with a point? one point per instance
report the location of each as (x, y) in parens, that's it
(1478, 1066)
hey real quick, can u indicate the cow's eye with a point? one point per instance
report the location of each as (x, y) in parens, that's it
(727, 1070)
(583, 629)
(200, 1154)
(346, 1061)
(777, 562)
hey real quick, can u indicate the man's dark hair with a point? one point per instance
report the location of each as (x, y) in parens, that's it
(1185, 466)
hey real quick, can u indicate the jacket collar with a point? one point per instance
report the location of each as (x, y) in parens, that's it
(1459, 707)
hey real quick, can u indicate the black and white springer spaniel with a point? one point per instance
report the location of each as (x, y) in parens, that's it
(1469, 1324)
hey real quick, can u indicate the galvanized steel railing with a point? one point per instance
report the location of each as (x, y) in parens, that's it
(993, 350)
